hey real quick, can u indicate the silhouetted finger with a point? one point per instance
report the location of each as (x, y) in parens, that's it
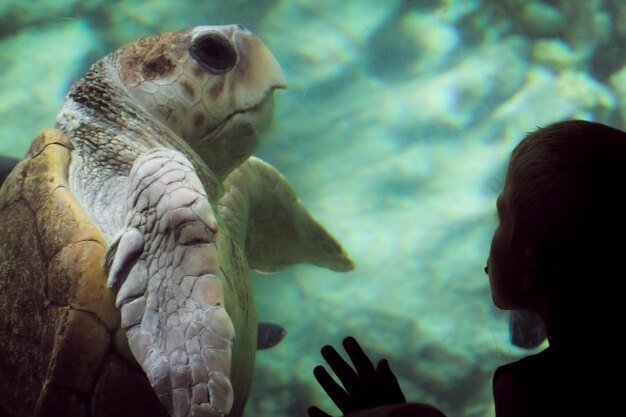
(316, 412)
(364, 367)
(348, 377)
(334, 390)
(392, 389)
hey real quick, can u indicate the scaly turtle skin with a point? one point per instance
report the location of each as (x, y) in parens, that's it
(129, 229)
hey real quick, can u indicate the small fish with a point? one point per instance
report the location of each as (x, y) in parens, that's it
(269, 335)
(7, 164)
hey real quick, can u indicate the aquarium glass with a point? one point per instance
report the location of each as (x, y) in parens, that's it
(395, 132)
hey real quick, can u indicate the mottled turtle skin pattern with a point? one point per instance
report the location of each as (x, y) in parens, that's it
(129, 229)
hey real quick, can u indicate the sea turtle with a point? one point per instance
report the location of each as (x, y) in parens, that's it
(128, 230)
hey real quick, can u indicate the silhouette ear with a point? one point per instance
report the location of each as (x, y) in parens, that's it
(530, 279)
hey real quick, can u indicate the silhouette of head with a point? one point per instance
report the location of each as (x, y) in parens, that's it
(562, 214)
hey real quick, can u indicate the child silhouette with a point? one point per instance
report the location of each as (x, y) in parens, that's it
(558, 251)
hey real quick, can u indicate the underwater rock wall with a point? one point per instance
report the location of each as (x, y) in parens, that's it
(395, 131)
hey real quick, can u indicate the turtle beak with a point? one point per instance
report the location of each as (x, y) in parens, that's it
(257, 72)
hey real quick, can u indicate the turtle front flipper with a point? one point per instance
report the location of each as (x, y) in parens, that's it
(264, 215)
(171, 299)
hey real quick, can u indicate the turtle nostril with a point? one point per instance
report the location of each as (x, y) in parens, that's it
(214, 52)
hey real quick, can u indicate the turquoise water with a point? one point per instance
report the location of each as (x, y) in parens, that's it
(395, 132)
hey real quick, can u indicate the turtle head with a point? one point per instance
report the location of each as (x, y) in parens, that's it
(211, 85)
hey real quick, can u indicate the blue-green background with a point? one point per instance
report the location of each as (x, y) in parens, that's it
(395, 131)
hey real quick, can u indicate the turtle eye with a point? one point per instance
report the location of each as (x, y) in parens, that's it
(214, 52)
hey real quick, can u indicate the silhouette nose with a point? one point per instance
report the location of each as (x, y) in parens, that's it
(214, 52)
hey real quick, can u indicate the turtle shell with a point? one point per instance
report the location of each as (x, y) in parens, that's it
(62, 351)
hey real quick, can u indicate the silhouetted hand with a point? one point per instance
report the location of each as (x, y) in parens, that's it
(366, 391)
